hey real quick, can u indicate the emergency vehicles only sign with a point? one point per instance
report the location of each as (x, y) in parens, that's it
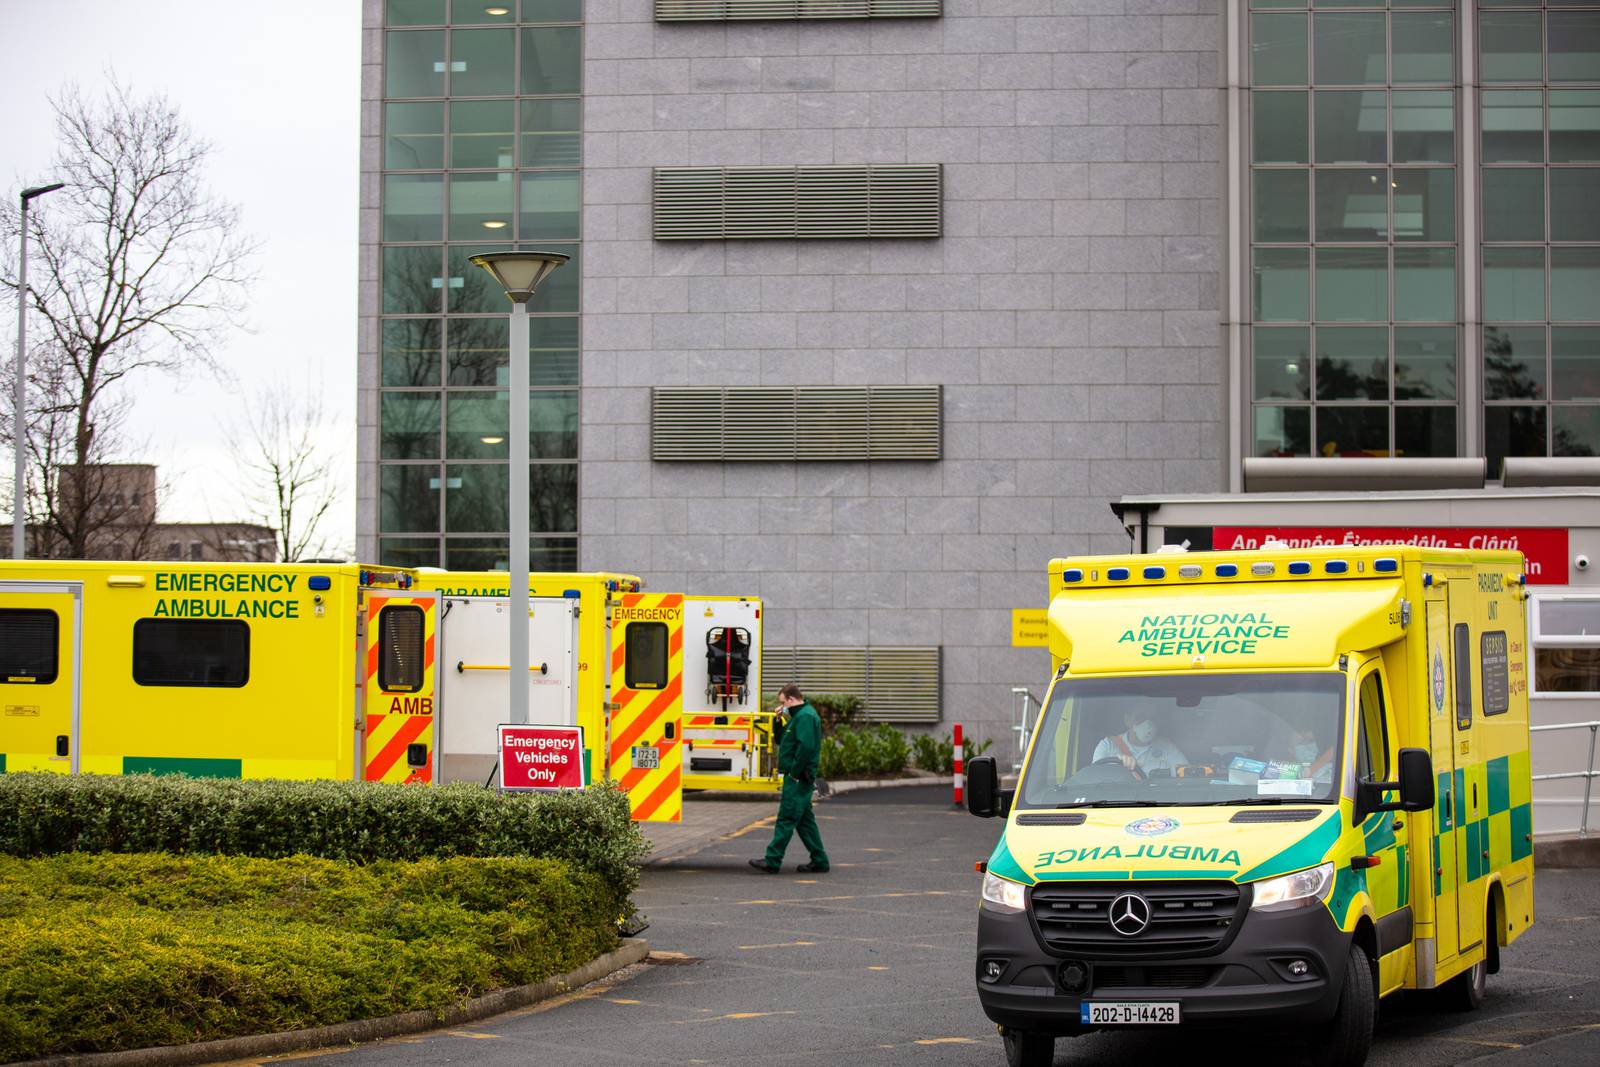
(541, 757)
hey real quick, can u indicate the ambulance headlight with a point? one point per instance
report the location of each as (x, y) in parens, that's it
(1001, 895)
(1298, 890)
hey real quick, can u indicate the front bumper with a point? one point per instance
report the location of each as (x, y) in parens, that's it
(1246, 980)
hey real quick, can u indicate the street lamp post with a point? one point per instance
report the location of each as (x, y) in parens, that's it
(519, 273)
(19, 521)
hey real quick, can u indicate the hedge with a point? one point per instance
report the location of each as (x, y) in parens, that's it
(105, 952)
(359, 822)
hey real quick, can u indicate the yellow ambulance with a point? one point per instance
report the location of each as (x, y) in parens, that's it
(1267, 789)
(343, 671)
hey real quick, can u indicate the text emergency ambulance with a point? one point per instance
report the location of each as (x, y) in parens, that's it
(1266, 788)
(306, 670)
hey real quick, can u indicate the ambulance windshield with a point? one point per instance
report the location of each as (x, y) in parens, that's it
(1188, 739)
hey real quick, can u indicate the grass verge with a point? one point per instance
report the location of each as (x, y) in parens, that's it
(100, 952)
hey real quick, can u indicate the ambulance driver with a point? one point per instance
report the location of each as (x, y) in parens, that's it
(1139, 748)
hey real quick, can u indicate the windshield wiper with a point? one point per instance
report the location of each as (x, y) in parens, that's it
(1257, 800)
(1115, 804)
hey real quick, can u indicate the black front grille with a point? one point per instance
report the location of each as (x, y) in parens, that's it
(1185, 917)
(1275, 815)
(1053, 818)
(1120, 977)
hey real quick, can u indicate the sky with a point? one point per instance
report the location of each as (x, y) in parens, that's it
(275, 88)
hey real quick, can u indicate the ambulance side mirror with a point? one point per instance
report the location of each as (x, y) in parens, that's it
(983, 787)
(1416, 780)
(1415, 786)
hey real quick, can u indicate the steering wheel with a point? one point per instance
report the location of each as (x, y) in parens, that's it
(1108, 761)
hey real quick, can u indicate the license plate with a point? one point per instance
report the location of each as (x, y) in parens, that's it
(1128, 1012)
(646, 757)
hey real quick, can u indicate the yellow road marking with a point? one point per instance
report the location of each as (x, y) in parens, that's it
(736, 1015)
(872, 850)
(780, 944)
(945, 1041)
(1487, 1044)
(805, 881)
(623, 1000)
(877, 968)
(469, 1033)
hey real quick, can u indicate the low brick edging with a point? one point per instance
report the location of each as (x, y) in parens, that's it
(632, 951)
(1558, 852)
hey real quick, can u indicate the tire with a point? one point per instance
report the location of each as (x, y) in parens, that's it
(1348, 1036)
(1465, 991)
(1024, 1048)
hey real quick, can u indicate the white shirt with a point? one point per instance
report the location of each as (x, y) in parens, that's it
(1159, 755)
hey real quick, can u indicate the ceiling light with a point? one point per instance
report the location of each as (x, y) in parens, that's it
(493, 440)
(497, 10)
(494, 224)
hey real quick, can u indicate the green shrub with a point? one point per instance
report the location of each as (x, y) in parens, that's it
(105, 952)
(360, 822)
(876, 749)
(931, 754)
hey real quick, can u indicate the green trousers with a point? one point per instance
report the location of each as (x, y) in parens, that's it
(794, 814)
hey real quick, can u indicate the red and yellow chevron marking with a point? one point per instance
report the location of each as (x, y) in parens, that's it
(728, 722)
(396, 720)
(642, 716)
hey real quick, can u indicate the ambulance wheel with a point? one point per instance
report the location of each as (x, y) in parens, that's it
(1349, 1035)
(1465, 990)
(1027, 1049)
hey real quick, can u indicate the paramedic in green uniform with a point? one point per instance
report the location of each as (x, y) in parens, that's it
(797, 762)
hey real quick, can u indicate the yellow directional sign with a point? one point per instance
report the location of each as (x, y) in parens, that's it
(1028, 628)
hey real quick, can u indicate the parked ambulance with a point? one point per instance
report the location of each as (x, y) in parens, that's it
(1266, 789)
(316, 670)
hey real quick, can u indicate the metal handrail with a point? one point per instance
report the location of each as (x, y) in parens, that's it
(1588, 776)
(1021, 696)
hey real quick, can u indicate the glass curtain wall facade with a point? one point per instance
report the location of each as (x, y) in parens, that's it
(1539, 68)
(1366, 276)
(481, 152)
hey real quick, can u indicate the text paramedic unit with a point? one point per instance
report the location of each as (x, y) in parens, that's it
(1265, 788)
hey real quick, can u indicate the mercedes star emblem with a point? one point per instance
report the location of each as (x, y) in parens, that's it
(1130, 914)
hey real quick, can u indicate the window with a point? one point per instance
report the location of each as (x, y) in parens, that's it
(646, 656)
(1495, 663)
(400, 640)
(1463, 665)
(1566, 646)
(1353, 194)
(29, 643)
(206, 653)
(1372, 750)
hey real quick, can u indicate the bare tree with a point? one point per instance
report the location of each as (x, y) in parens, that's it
(290, 481)
(139, 268)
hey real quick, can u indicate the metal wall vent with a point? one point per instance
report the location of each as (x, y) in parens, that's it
(748, 203)
(779, 424)
(738, 10)
(899, 685)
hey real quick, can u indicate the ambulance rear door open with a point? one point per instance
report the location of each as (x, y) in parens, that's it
(41, 640)
(475, 685)
(400, 694)
(727, 739)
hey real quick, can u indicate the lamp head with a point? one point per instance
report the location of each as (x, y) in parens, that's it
(520, 273)
(40, 190)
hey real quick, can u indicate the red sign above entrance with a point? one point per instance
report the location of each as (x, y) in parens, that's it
(541, 757)
(1544, 547)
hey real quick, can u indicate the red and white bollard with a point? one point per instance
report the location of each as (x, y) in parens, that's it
(960, 775)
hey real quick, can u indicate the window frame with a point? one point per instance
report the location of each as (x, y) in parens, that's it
(631, 670)
(1362, 752)
(1461, 668)
(1537, 640)
(55, 648)
(394, 611)
(149, 622)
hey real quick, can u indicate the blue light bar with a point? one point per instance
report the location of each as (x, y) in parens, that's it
(1072, 575)
(1336, 566)
(1300, 567)
(319, 583)
(1155, 572)
(1227, 570)
(1385, 565)
(1117, 574)
(571, 594)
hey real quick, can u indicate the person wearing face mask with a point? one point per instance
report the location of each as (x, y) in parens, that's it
(1309, 753)
(1140, 748)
